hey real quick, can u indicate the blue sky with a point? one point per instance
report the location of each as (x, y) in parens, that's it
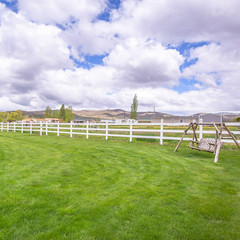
(77, 53)
(11, 4)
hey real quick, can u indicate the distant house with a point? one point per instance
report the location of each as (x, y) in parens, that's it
(208, 118)
(107, 121)
(119, 121)
(83, 120)
(52, 120)
(43, 120)
(145, 120)
(174, 119)
(79, 120)
(126, 121)
(38, 120)
(28, 120)
(131, 121)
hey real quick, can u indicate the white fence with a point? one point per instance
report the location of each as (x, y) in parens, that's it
(159, 131)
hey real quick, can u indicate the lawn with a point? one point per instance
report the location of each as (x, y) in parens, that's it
(73, 188)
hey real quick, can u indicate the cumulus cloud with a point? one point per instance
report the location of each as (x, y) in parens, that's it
(26, 50)
(90, 38)
(61, 11)
(176, 21)
(131, 64)
(146, 63)
(38, 42)
(217, 68)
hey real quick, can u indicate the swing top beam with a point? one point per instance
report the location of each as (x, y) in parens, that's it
(207, 124)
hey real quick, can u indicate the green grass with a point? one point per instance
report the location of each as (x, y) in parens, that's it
(72, 188)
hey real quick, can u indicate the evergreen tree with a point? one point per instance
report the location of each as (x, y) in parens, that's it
(69, 114)
(55, 113)
(62, 113)
(134, 108)
(48, 112)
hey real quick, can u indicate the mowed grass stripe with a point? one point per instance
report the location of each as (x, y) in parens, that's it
(70, 188)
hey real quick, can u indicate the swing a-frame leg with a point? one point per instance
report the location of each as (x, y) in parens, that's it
(218, 143)
(230, 133)
(184, 134)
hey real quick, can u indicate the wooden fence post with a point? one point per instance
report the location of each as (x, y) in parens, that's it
(71, 129)
(7, 126)
(31, 127)
(87, 130)
(200, 129)
(161, 133)
(22, 127)
(58, 128)
(14, 126)
(130, 135)
(106, 130)
(1, 126)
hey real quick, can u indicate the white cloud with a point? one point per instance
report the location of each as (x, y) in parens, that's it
(218, 67)
(131, 66)
(184, 20)
(146, 63)
(61, 11)
(26, 50)
(92, 38)
(36, 71)
(83, 32)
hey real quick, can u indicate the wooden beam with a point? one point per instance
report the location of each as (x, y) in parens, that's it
(209, 124)
(217, 152)
(199, 149)
(194, 131)
(218, 144)
(185, 132)
(216, 138)
(216, 127)
(230, 133)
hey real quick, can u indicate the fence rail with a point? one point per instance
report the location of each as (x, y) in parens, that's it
(158, 131)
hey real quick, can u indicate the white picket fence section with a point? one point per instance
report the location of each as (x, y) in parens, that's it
(159, 131)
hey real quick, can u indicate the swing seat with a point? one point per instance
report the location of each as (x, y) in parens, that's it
(205, 144)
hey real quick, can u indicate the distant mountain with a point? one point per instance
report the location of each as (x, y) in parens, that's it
(229, 113)
(227, 116)
(116, 114)
(122, 114)
(34, 114)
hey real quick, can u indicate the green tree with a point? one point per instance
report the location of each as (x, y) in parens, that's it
(62, 113)
(55, 114)
(69, 114)
(236, 119)
(3, 116)
(48, 112)
(15, 116)
(134, 108)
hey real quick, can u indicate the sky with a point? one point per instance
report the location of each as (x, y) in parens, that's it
(178, 56)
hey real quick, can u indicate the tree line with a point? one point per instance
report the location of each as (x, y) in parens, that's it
(66, 114)
(11, 116)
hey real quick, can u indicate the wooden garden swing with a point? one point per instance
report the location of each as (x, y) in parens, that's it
(212, 145)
